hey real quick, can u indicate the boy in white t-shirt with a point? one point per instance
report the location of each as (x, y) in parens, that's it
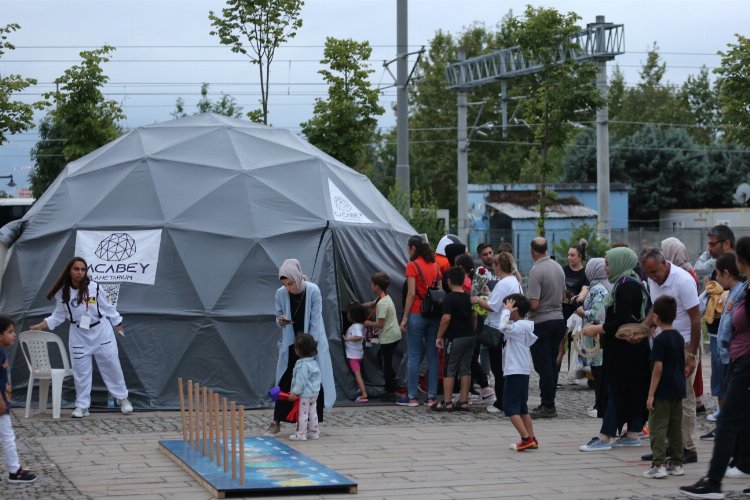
(356, 314)
(519, 337)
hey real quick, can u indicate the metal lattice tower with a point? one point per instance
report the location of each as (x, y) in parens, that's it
(599, 42)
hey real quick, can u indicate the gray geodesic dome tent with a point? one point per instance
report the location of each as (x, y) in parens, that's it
(185, 224)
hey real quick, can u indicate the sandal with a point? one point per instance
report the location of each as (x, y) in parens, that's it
(442, 406)
(460, 406)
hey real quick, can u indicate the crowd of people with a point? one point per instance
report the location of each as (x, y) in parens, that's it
(639, 315)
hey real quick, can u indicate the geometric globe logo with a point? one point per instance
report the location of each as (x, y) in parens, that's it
(116, 247)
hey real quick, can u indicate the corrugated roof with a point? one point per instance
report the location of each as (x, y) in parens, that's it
(515, 211)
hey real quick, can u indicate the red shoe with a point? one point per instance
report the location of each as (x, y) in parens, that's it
(524, 444)
(536, 444)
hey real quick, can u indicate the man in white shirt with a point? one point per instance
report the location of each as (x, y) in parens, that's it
(664, 278)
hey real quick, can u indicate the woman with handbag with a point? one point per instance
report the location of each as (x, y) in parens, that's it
(422, 279)
(490, 335)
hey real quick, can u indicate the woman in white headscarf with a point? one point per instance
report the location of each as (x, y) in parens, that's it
(299, 309)
(675, 252)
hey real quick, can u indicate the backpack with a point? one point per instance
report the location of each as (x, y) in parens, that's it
(432, 302)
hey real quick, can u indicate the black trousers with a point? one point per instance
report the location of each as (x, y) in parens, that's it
(386, 359)
(282, 407)
(733, 422)
(544, 355)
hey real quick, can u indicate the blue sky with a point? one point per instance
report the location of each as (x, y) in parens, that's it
(165, 50)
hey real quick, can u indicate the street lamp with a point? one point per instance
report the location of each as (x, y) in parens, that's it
(11, 183)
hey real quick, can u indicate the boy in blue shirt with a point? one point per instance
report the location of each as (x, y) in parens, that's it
(7, 437)
(666, 392)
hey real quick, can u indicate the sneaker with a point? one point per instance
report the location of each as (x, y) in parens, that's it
(272, 429)
(709, 436)
(125, 406)
(543, 412)
(524, 444)
(689, 457)
(493, 409)
(704, 488)
(297, 436)
(431, 402)
(21, 476)
(592, 412)
(313, 435)
(627, 442)
(80, 413)
(675, 469)
(645, 433)
(596, 444)
(487, 395)
(734, 472)
(746, 491)
(700, 410)
(535, 446)
(712, 417)
(405, 401)
(655, 472)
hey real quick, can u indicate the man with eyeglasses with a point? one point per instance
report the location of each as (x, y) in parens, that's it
(720, 240)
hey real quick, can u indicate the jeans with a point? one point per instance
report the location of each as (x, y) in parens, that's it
(732, 423)
(544, 355)
(421, 330)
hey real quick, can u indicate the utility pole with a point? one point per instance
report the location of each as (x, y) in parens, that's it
(403, 184)
(602, 135)
(462, 160)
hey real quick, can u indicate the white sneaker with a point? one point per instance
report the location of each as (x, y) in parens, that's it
(675, 470)
(298, 437)
(735, 472)
(493, 409)
(313, 435)
(125, 406)
(592, 412)
(656, 472)
(80, 413)
(713, 416)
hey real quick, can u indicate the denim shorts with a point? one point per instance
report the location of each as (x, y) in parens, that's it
(515, 395)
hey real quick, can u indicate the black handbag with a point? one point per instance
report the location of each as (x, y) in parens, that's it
(432, 302)
(490, 336)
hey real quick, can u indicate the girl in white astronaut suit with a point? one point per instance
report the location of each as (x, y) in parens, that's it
(92, 319)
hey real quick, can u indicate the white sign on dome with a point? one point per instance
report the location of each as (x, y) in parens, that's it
(120, 256)
(342, 207)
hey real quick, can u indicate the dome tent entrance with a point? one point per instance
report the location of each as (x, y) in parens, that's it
(209, 206)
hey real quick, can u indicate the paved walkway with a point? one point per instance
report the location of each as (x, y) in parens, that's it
(392, 452)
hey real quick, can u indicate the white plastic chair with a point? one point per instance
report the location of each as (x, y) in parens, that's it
(35, 347)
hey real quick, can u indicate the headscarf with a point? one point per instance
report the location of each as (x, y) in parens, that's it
(292, 270)
(676, 253)
(621, 263)
(596, 274)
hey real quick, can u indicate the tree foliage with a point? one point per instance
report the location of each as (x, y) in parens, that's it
(81, 121)
(264, 25)
(734, 96)
(226, 106)
(561, 92)
(344, 125)
(15, 116)
(596, 246)
(422, 215)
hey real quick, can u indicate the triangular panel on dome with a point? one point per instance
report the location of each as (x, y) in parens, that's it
(257, 149)
(133, 201)
(181, 185)
(196, 249)
(213, 148)
(124, 149)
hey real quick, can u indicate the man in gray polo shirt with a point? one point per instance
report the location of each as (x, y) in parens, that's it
(545, 291)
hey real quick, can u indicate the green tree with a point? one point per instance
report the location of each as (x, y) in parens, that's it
(596, 246)
(81, 121)
(734, 94)
(226, 106)
(422, 215)
(560, 93)
(15, 116)
(263, 25)
(344, 125)
(701, 99)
